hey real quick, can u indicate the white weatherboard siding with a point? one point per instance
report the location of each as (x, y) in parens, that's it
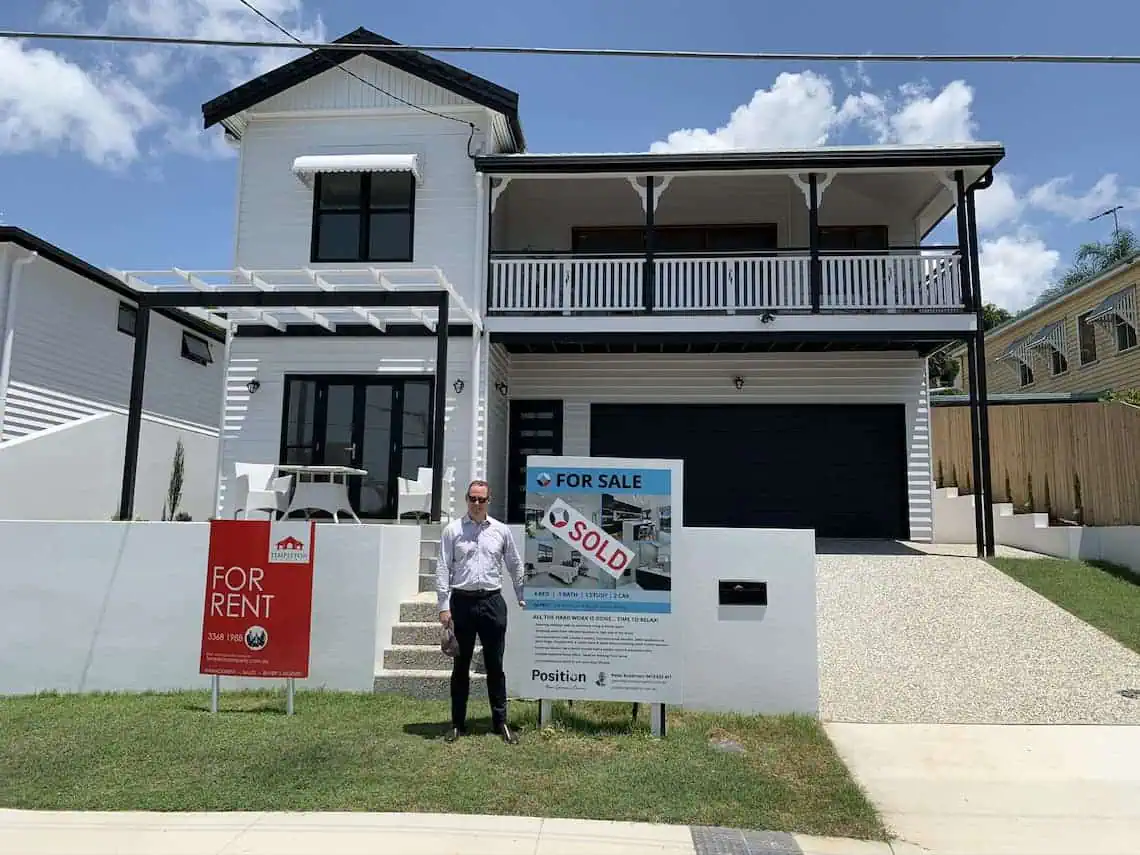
(777, 378)
(498, 408)
(70, 360)
(275, 209)
(252, 430)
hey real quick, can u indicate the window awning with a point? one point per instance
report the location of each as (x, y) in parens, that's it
(1051, 335)
(308, 165)
(1118, 306)
(1018, 350)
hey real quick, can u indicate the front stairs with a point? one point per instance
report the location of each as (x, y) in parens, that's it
(413, 664)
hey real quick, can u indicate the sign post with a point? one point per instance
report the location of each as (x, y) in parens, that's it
(257, 614)
(598, 560)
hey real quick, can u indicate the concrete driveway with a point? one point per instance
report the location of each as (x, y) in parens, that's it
(937, 674)
(911, 634)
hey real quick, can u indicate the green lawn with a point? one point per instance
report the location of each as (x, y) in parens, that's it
(1101, 594)
(383, 753)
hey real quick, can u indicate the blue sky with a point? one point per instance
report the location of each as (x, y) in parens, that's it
(100, 150)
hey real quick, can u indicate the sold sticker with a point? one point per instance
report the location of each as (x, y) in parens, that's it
(599, 547)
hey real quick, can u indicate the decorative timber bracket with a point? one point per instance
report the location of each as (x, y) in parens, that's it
(639, 185)
(822, 184)
(498, 185)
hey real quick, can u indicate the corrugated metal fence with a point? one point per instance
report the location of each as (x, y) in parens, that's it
(1076, 462)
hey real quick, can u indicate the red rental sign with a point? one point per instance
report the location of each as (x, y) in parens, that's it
(259, 599)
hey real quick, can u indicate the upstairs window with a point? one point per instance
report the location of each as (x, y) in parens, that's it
(1086, 333)
(196, 349)
(853, 239)
(1026, 378)
(1125, 335)
(363, 216)
(128, 317)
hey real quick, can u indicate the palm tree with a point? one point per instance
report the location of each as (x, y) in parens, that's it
(1093, 259)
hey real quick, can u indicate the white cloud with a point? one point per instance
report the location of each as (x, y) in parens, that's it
(1014, 269)
(49, 102)
(187, 138)
(800, 110)
(65, 13)
(998, 204)
(1104, 194)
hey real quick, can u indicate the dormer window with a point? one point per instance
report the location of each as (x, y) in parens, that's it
(363, 206)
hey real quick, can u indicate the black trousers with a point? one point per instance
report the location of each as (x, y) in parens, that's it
(482, 614)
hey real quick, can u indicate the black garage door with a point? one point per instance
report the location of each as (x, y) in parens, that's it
(838, 469)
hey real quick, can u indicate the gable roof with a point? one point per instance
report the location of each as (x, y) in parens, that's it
(449, 77)
(33, 243)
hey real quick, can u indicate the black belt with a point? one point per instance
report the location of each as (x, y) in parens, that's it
(477, 594)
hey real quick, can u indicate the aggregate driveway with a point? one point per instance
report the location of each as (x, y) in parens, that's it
(912, 634)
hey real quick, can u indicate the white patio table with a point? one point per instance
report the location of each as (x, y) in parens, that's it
(330, 496)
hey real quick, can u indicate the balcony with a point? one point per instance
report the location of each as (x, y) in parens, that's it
(568, 284)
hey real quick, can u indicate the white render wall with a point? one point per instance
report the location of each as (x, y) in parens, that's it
(252, 431)
(894, 377)
(69, 359)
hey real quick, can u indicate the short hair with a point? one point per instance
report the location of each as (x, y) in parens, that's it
(479, 482)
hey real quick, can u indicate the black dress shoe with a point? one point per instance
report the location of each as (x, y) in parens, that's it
(453, 734)
(509, 736)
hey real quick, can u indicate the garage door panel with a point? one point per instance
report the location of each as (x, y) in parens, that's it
(838, 469)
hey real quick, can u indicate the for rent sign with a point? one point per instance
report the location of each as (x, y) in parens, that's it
(259, 594)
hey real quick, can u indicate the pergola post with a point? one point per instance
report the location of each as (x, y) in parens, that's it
(440, 407)
(134, 414)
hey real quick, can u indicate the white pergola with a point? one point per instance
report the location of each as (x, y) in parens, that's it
(328, 298)
(306, 279)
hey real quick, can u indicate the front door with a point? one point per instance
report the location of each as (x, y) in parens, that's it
(379, 424)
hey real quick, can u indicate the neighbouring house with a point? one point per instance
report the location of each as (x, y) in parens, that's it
(65, 379)
(763, 315)
(1083, 341)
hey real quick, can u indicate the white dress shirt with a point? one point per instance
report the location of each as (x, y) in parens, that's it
(471, 556)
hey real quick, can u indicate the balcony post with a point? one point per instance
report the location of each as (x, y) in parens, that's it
(649, 278)
(986, 488)
(964, 257)
(813, 242)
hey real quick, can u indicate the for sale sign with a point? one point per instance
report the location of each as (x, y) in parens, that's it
(259, 596)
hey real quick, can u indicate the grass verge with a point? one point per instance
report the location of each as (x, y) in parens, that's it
(165, 752)
(1104, 595)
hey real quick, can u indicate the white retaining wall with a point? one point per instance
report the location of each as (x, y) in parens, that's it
(954, 523)
(118, 606)
(74, 471)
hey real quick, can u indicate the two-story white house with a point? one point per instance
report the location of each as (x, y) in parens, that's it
(764, 315)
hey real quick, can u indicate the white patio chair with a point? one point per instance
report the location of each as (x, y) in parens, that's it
(255, 489)
(328, 496)
(415, 496)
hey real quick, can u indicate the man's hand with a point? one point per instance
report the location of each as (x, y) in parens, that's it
(445, 618)
(522, 604)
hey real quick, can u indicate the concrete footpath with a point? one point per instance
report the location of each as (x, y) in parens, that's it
(92, 833)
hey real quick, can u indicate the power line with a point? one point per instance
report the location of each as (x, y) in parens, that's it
(757, 56)
(352, 74)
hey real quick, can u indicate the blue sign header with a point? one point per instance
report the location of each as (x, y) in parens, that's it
(655, 482)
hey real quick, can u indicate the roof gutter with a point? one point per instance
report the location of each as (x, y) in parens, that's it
(9, 328)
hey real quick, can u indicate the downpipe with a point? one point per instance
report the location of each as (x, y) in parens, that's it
(10, 330)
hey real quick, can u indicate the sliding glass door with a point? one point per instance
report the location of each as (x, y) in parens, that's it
(379, 424)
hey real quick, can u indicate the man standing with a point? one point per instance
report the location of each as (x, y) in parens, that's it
(472, 551)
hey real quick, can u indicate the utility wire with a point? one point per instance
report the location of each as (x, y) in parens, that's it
(368, 83)
(758, 56)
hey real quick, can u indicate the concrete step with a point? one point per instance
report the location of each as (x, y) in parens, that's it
(429, 548)
(427, 582)
(429, 685)
(427, 565)
(426, 634)
(422, 609)
(415, 657)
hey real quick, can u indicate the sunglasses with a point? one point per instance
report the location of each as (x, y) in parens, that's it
(478, 500)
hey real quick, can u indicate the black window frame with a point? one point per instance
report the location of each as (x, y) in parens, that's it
(364, 211)
(767, 238)
(128, 319)
(1125, 335)
(876, 238)
(1058, 363)
(1083, 325)
(188, 352)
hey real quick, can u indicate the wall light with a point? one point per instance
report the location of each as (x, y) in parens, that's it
(253, 385)
(458, 385)
(502, 387)
(738, 382)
